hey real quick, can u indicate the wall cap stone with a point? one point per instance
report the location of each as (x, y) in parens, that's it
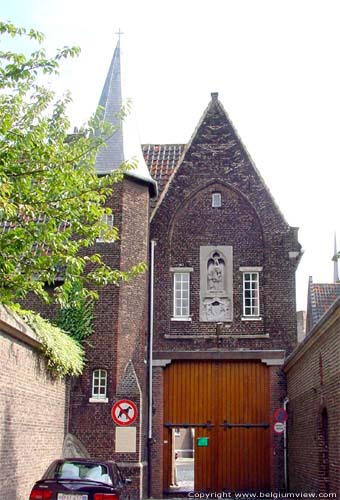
(161, 362)
(272, 356)
(13, 325)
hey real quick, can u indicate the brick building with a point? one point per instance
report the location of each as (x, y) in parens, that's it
(224, 310)
(199, 342)
(313, 374)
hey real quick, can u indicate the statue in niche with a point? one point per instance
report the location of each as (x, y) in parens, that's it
(215, 273)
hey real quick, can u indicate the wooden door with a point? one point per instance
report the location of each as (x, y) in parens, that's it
(228, 403)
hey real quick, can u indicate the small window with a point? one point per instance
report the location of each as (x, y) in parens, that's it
(99, 384)
(181, 294)
(216, 200)
(251, 306)
(108, 219)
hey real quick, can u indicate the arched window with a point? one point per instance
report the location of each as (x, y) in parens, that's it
(99, 385)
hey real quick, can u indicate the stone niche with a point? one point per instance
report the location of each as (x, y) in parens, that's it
(216, 284)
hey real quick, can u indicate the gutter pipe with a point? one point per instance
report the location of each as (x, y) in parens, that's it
(151, 330)
(285, 449)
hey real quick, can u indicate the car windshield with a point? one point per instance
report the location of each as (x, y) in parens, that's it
(81, 471)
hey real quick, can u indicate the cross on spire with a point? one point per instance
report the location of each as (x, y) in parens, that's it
(119, 33)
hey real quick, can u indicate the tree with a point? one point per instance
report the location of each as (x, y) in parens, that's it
(51, 200)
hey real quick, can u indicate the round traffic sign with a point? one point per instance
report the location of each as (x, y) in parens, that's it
(280, 415)
(279, 427)
(124, 412)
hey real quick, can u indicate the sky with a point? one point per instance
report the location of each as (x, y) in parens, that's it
(275, 65)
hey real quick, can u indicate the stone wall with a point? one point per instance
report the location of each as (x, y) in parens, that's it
(313, 378)
(33, 409)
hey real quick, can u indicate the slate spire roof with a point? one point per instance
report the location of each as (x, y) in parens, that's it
(124, 144)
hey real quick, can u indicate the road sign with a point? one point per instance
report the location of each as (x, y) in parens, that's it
(124, 412)
(280, 415)
(279, 427)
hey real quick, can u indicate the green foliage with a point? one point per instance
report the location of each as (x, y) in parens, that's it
(64, 355)
(51, 200)
(76, 318)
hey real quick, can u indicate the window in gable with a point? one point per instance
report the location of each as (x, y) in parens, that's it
(216, 200)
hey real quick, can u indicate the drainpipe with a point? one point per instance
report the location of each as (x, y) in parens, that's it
(285, 450)
(152, 266)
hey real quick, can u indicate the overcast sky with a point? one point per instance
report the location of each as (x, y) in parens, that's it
(274, 63)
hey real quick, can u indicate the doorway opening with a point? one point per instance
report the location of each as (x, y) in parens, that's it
(183, 459)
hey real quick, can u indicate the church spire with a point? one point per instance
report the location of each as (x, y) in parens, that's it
(336, 262)
(124, 144)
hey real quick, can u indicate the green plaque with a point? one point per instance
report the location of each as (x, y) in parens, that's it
(204, 441)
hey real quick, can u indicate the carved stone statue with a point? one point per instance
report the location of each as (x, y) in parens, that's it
(215, 273)
(216, 283)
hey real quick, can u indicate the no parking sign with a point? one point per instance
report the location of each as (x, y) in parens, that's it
(124, 412)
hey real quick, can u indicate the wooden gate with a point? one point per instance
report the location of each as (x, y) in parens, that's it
(228, 403)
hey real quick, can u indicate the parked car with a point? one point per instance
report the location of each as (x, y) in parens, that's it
(81, 479)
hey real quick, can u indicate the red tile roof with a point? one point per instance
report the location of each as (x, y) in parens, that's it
(161, 160)
(321, 297)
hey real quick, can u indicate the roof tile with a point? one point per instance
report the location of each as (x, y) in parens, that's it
(162, 160)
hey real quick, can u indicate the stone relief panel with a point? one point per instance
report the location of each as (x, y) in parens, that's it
(216, 283)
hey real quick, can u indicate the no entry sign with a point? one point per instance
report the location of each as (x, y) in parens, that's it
(124, 412)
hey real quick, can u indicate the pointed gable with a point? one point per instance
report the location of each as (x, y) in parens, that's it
(124, 145)
(216, 141)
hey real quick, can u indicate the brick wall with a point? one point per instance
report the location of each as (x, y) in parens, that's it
(32, 408)
(313, 375)
(120, 335)
(248, 220)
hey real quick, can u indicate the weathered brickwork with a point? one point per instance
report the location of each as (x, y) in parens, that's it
(183, 222)
(248, 221)
(156, 486)
(278, 393)
(120, 335)
(313, 379)
(33, 409)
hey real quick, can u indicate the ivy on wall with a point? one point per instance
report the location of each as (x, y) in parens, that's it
(76, 317)
(63, 354)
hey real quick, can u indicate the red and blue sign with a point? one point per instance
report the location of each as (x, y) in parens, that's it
(280, 415)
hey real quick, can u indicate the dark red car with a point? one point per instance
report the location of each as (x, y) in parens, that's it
(81, 479)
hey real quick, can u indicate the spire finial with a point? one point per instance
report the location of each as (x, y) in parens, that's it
(119, 33)
(336, 262)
